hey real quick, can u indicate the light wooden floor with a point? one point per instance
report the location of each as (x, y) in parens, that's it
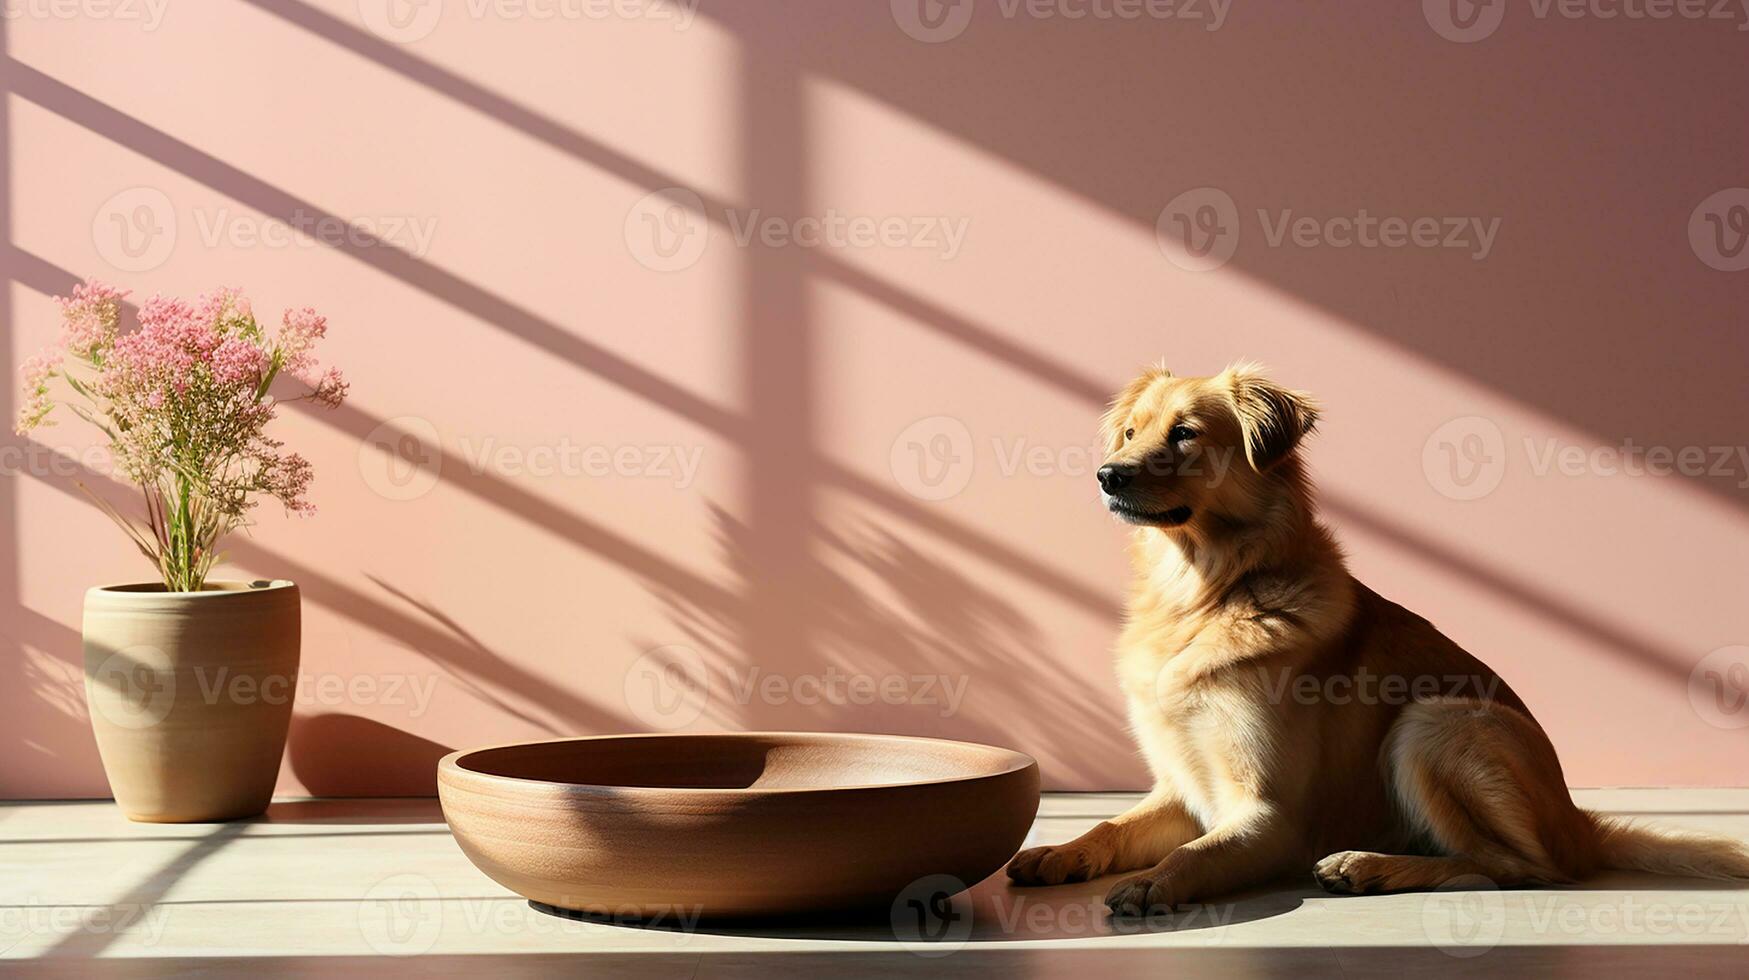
(352, 887)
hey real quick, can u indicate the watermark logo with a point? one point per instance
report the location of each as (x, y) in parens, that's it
(667, 688)
(1718, 230)
(1464, 21)
(400, 459)
(932, 916)
(1563, 914)
(1465, 459)
(940, 234)
(135, 230)
(1199, 229)
(403, 458)
(1018, 915)
(1718, 687)
(933, 458)
(134, 687)
(932, 21)
(137, 688)
(666, 230)
(1465, 917)
(401, 915)
(412, 692)
(401, 21)
(222, 227)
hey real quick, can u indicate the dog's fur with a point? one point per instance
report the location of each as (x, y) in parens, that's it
(1293, 718)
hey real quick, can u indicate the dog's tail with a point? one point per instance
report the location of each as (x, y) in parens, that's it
(1630, 846)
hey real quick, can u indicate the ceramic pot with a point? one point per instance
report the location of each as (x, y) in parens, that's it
(191, 694)
(673, 827)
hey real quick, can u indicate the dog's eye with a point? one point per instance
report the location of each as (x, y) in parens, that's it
(1180, 433)
(1129, 433)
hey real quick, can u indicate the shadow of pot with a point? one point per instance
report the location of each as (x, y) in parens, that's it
(345, 755)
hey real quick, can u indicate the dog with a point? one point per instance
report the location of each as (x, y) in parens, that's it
(1293, 718)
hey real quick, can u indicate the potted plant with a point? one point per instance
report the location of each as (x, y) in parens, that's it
(190, 682)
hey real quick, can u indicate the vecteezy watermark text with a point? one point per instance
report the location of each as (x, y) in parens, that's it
(403, 459)
(137, 230)
(38, 920)
(1468, 916)
(935, 458)
(935, 21)
(137, 688)
(1363, 229)
(412, 234)
(147, 13)
(1466, 459)
(1469, 21)
(407, 21)
(668, 230)
(1364, 687)
(407, 915)
(1200, 229)
(669, 687)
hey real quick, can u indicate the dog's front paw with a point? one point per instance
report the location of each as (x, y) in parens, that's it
(1349, 873)
(1056, 865)
(1143, 894)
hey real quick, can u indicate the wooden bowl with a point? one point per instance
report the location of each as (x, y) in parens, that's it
(735, 825)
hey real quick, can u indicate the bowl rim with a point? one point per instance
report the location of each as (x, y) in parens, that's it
(450, 764)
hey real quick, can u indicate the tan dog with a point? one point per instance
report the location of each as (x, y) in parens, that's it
(1291, 714)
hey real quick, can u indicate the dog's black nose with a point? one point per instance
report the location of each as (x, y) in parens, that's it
(1113, 477)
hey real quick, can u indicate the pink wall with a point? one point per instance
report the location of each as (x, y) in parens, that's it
(511, 299)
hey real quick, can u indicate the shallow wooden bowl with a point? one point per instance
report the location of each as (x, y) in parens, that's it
(755, 824)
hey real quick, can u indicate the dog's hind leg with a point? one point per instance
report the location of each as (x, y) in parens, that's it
(1138, 838)
(1480, 781)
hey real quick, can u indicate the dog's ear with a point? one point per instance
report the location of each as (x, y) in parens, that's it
(1274, 419)
(1111, 424)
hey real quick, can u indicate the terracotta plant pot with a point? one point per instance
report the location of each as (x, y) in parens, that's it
(190, 695)
(726, 826)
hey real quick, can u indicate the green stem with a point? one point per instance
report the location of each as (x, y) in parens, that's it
(185, 537)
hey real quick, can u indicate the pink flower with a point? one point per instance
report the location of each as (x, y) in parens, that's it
(171, 342)
(226, 308)
(238, 361)
(298, 333)
(184, 400)
(37, 403)
(89, 317)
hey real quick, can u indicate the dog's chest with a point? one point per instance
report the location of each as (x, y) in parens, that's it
(1206, 740)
